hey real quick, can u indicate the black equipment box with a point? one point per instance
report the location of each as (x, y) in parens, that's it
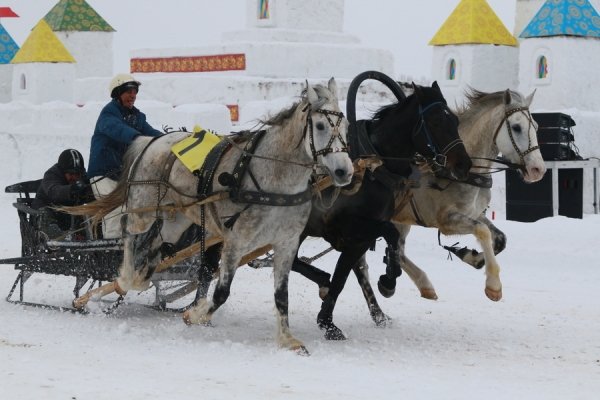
(556, 151)
(554, 135)
(528, 202)
(553, 120)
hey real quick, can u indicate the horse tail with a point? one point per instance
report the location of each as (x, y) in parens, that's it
(100, 207)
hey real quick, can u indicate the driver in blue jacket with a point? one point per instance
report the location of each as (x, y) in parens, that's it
(119, 123)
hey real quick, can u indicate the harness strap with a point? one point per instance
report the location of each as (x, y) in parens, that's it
(473, 179)
(207, 171)
(413, 206)
(258, 197)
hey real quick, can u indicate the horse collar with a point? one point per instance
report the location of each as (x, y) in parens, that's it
(234, 181)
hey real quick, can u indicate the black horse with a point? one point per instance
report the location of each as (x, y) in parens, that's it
(418, 129)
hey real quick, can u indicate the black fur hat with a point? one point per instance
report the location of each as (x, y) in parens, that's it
(71, 160)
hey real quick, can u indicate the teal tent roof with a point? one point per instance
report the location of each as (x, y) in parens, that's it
(564, 18)
(8, 47)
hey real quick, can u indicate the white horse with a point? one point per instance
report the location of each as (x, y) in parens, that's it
(268, 205)
(491, 124)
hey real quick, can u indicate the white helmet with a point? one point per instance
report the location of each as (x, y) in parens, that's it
(122, 81)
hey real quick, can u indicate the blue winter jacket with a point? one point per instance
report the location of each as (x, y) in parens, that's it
(116, 128)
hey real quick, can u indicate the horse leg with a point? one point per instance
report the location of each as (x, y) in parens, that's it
(314, 274)
(202, 311)
(418, 276)
(461, 224)
(209, 264)
(493, 285)
(282, 264)
(361, 271)
(387, 282)
(141, 252)
(472, 256)
(348, 258)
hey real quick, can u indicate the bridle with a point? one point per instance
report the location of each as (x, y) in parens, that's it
(530, 148)
(334, 134)
(439, 156)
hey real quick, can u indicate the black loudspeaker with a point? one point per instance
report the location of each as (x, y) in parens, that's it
(554, 136)
(570, 192)
(530, 202)
(553, 120)
(555, 151)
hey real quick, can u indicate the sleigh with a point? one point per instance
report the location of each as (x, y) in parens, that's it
(80, 254)
(94, 261)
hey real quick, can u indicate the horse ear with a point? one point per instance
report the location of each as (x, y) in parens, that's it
(436, 86)
(332, 85)
(529, 98)
(417, 91)
(311, 95)
(507, 97)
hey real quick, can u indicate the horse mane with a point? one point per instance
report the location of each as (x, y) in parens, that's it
(476, 100)
(387, 109)
(323, 93)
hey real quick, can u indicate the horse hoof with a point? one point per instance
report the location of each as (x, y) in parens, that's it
(78, 305)
(187, 319)
(301, 351)
(429, 294)
(386, 287)
(323, 290)
(494, 295)
(382, 320)
(332, 332)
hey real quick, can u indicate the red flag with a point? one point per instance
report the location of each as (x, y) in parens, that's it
(6, 12)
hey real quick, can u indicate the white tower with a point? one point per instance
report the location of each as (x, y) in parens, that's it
(44, 70)
(87, 36)
(560, 42)
(474, 49)
(526, 10)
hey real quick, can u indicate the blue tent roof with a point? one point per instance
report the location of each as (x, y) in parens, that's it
(564, 18)
(8, 47)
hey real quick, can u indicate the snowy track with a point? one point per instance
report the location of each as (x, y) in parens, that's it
(542, 341)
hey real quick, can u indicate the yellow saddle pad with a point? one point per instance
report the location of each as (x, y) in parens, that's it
(192, 150)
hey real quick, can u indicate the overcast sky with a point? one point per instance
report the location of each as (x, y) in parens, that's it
(403, 27)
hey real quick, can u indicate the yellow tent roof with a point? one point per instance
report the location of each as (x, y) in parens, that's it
(473, 21)
(42, 45)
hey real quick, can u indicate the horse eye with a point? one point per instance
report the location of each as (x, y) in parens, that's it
(320, 126)
(516, 128)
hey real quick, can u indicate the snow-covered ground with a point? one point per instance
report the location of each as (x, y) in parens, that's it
(541, 341)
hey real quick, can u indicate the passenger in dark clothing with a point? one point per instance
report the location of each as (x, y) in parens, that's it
(64, 184)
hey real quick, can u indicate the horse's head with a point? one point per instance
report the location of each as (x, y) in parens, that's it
(516, 137)
(326, 132)
(435, 135)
